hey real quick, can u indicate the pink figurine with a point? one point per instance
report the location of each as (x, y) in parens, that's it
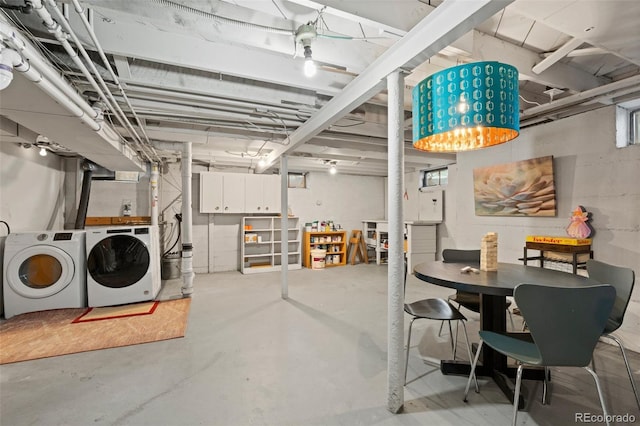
(579, 226)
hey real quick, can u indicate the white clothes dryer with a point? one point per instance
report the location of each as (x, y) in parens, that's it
(123, 265)
(44, 270)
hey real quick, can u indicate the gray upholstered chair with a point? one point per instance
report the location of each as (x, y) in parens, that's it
(565, 324)
(434, 309)
(623, 280)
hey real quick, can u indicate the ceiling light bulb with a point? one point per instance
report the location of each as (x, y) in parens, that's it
(463, 107)
(309, 65)
(333, 169)
(43, 152)
(262, 163)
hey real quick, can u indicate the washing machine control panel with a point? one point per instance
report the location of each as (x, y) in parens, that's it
(62, 236)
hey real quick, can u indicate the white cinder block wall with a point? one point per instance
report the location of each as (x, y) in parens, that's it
(31, 189)
(345, 199)
(589, 171)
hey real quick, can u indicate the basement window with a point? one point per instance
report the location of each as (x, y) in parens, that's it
(434, 177)
(297, 180)
(628, 124)
(634, 137)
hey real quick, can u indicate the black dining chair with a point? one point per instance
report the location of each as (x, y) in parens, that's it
(565, 325)
(434, 309)
(623, 280)
(468, 300)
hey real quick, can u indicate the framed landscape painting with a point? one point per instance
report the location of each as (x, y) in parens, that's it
(523, 188)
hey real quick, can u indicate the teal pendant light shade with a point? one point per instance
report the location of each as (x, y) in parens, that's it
(466, 107)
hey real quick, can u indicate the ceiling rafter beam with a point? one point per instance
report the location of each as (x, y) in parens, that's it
(556, 56)
(440, 28)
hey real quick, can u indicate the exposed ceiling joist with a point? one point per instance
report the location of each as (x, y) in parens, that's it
(438, 29)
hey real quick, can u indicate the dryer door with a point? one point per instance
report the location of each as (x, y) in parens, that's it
(118, 261)
(40, 271)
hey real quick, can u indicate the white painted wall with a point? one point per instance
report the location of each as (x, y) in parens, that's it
(31, 189)
(108, 196)
(589, 171)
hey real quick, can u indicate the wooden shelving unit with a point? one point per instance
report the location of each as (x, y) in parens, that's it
(261, 242)
(334, 242)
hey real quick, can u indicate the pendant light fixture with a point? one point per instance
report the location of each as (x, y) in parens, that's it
(466, 107)
(304, 35)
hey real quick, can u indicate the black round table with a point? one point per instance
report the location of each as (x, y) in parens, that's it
(493, 287)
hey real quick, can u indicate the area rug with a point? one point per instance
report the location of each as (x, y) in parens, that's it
(51, 333)
(111, 312)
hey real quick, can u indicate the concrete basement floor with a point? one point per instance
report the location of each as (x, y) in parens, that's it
(318, 358)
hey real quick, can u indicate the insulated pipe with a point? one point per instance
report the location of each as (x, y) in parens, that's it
(10, 37)
(109, 101)
(54, 28)
(187, 221)
(395, 350)
(154, 193)
(49, 88)
(94, 38)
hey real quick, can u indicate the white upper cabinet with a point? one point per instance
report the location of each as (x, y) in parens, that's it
(262, 193)
(239, 193)
(221, 192)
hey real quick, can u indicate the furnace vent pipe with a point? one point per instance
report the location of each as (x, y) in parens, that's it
(83, 205)
(187, 215)
(187, 221)
(153, 182)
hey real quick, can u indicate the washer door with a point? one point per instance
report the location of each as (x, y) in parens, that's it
(40, 271)
(118, 261)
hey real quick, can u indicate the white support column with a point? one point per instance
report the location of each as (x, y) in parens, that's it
(187, 221)
(284, 226)
(395, 348)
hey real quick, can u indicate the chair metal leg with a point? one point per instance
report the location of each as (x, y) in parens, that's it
(466, 339)
(453, 346)
(626, 363)
(473, 371)
(604, 408)
(406, 364)
(441, 325)
(516, 394)
(545, 385)
(513, 325)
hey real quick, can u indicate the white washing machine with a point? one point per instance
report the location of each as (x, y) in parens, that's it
(123, 265)
(44, 270)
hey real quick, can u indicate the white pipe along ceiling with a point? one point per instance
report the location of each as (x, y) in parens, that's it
(113, 77)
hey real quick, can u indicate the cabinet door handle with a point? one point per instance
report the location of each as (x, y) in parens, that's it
(258, 208)
(266, 208)
(226, 208)
(217, 207)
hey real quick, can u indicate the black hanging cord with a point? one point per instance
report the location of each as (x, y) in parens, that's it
(179, 220)
(7, 225)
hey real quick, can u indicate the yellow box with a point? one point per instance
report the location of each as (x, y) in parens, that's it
(567, 241)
